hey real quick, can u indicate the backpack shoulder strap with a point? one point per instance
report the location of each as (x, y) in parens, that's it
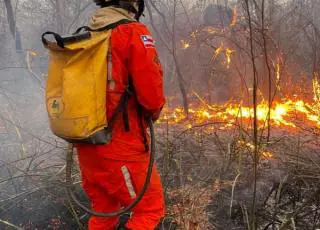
(113, 25)
(107, 27)
(122, 107)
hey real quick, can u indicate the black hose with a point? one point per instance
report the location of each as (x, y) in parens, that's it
(70, 188)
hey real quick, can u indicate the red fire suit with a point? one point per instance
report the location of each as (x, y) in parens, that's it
(133, 54)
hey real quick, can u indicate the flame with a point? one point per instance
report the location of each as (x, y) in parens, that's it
(218, 50)
(316, 90)
(194, 34)
(282, 114)
(213, 30)
(228, 55)
(185, 44)
(278, 71)
(228, 52)
(234, 17)
(267, 154)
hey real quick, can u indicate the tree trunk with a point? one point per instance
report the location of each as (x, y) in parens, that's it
(182, 88)
(174, 55)
(171, 50)
(10, 16)
(12, 25)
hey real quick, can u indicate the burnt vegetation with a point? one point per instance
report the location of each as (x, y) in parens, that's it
(238, 141)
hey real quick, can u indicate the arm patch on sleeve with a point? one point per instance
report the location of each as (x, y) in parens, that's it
(148, 41)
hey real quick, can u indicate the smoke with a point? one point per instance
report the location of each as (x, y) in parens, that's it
(208, 43)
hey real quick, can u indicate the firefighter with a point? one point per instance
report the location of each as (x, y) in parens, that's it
(134, 61)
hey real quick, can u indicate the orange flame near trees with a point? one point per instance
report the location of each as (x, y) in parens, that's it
(185, 44)
(281, 114)
(316, 92)
(234, 17)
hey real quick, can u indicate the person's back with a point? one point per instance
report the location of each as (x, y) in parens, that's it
(113, 174)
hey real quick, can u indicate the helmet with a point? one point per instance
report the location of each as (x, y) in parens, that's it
(134, 6)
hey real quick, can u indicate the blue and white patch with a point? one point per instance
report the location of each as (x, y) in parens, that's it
(148, 41)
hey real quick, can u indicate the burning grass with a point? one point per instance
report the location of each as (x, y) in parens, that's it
(206, 157)
(285, 113)
(207, 174)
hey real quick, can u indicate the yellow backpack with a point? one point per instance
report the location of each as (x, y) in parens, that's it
(76, 89)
